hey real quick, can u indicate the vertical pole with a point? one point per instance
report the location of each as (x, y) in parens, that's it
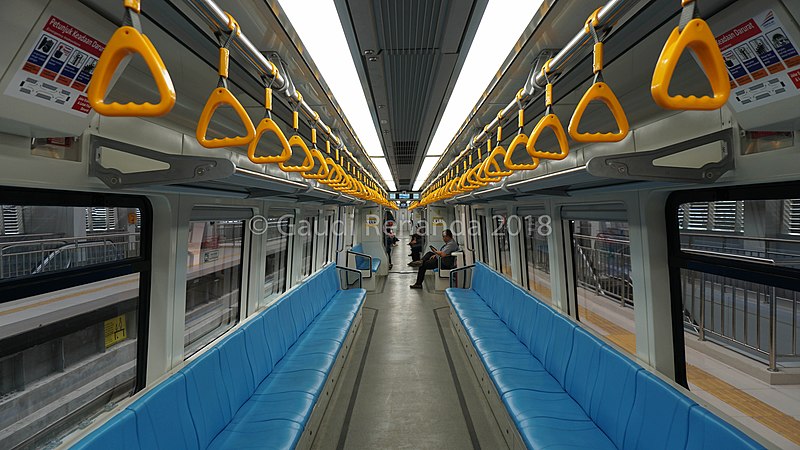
(773, 330)
(702, 332)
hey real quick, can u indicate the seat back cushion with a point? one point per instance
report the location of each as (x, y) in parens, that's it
(118, 433)
(583, 368)
(559, 348)
(297, 300)
(235, 365)
(272, 329)
(329, 284)
(541, 331)
(255, 339)
(287, 326)
(502, 302)
(162, 416)
(478, 278)
(527, 326)
(660, 415)
(706, 430)
(518, 300)
(208, 399)
(614, 394)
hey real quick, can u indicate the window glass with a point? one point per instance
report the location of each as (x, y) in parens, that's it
(306, 234)
(502, 244)
(602, 259)
(44, 239)
(279, 226)
(537, 254)
(68, 344)
(737, 272)
(213, 281)
(327, 235)
(483, 237)
(765, 229)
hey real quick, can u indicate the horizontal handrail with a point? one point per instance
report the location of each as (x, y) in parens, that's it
(218, 19)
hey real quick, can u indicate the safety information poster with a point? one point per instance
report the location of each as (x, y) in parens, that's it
(57, 69)
(763, 62)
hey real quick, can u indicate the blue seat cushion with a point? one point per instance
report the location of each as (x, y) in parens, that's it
(660, 415)
(119, 433)
(163, 419)
(294, 406)
(525, 404)
(512, 379)
(271, 434)
(545, 432)
(706, 430)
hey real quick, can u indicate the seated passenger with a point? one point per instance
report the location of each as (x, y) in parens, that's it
(431, 259)
(416, 247)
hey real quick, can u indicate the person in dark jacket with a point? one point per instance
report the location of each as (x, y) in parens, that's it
(416, 245)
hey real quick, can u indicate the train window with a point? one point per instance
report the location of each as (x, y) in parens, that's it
(602, 261)
(537, 254)
(737, 288)
(73, 304)
(502, 242)
(327, 236)
(483, 237)
(306, 232)
(213, 281)
(279, 226)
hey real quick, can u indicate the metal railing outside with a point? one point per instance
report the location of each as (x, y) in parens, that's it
(756, 320)
(30, 257)
(603, 265)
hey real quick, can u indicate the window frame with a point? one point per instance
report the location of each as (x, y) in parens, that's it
(778, 276)
(236, 216)
(20, 288)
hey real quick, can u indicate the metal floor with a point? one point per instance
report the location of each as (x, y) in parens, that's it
(408, 383)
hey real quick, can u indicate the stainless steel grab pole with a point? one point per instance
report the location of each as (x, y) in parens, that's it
(218, 20)
(606, 18)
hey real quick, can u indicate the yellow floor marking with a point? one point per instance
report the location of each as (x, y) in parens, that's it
(772, 418)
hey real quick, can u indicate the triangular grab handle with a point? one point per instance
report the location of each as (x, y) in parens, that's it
(697, 36)
(308, 161)
(548, 121)
(125, 42)
(222, 96)
(267, 125)
(599, 91)
(519, 140)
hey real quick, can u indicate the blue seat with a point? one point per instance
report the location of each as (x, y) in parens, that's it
(565, 388)
(279, 362)
(363, 263)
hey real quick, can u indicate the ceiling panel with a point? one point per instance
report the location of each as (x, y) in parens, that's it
(408, 54)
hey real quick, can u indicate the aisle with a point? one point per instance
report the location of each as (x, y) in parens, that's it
(407, 394)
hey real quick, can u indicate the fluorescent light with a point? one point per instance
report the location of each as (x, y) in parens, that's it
(424, 171)
(385, 172)
(317, 24)
(487, 53)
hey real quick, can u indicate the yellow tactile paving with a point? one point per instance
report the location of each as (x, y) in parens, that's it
(783, 424)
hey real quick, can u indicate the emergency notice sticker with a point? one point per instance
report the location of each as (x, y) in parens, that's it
(58, 68)
(762, 60)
